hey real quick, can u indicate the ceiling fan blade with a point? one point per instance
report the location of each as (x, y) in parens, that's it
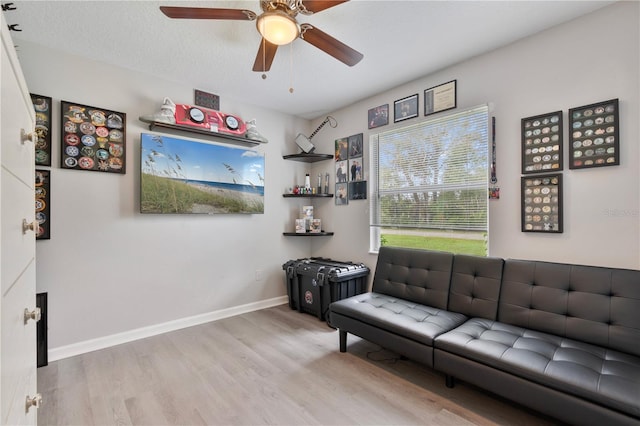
(207, 13)
(315, 6)
(264, 58)
(330, 45)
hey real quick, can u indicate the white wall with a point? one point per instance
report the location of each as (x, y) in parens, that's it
(109, 270)
(591, 59)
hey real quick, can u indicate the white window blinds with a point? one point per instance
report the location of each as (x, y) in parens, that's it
(432, 174)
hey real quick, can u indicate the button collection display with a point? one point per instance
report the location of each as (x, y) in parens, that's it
(542, 143)
(594, 135)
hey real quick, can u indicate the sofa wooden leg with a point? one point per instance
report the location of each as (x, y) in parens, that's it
(343, 340)
(450, 381)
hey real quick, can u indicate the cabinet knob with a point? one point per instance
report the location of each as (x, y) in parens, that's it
(36, 401)
(35, 315)
(27, 137)
(26, 226)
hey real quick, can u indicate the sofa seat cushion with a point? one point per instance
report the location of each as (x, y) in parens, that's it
(411, 320)
(604, 376)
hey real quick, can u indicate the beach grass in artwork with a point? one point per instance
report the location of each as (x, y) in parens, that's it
(185, 176)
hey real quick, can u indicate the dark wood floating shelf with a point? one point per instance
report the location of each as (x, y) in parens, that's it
(308, 158)
(225, 137)
(307, 234)
(307, 195)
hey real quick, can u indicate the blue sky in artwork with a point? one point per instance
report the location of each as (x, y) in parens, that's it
(194, 160)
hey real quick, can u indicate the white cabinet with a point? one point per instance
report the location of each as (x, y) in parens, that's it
(17, 252)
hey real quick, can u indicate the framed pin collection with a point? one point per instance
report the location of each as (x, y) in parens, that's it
(542, 203)
(92, 138)
(594, 141)
(594, 135)
(542, 143)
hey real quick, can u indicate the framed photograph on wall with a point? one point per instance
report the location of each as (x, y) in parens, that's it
(342, 194)
(342, 171)
(440, 98)
(542, 203)
(43, 204)
(355, 145)
(42, 107)
(355, 169)
(355, 163)
(378, 116)
(342, 149)
(542, 143)
(594, 135)
(405, 108)
(92, 138)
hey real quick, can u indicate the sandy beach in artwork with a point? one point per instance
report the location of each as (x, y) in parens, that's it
(247, 197)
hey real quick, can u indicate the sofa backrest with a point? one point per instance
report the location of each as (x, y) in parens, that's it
(420, 276)
(593, 304)
(475, 286)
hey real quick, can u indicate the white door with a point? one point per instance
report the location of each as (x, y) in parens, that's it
(17, 252)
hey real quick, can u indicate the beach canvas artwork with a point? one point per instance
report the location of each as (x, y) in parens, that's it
(183, 176)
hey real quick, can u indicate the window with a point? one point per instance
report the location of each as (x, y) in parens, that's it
(429, 184)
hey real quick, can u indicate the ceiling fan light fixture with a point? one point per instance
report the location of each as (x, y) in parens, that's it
(277, 27)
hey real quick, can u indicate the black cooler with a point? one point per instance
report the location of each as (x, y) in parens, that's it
(313, 283)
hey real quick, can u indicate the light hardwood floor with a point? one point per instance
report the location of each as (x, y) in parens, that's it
(274, 366)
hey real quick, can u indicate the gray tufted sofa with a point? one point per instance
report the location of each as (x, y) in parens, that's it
(562, 339)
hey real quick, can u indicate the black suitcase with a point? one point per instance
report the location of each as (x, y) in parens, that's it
(313, 283)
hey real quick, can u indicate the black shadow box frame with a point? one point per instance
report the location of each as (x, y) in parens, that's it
(542, 203)
(43, 204)
(594, 135)
(92, 138)
(42, 107)
(542, 143)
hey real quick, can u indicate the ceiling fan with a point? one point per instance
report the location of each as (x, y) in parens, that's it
(278, 26)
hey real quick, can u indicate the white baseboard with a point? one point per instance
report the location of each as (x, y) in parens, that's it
(153, 330)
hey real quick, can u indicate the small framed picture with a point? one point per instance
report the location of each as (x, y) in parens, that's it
(342, 194)
(440, 98)
(342, 149)
(355, 145)
(355, 169)
(342, 169)
(594, 135)
(378, 116)
(405, 108)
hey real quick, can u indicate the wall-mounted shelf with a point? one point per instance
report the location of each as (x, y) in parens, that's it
(307, 195)
(308, 158)
(177, 128)
(307, 234)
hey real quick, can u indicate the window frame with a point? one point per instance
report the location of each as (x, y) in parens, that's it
(375, 224)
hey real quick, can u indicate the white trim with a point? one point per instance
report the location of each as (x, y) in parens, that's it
(153, 330)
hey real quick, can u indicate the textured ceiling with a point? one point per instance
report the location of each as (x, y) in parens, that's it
(400, 40)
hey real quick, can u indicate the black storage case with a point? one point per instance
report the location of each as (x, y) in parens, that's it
(313, 283)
